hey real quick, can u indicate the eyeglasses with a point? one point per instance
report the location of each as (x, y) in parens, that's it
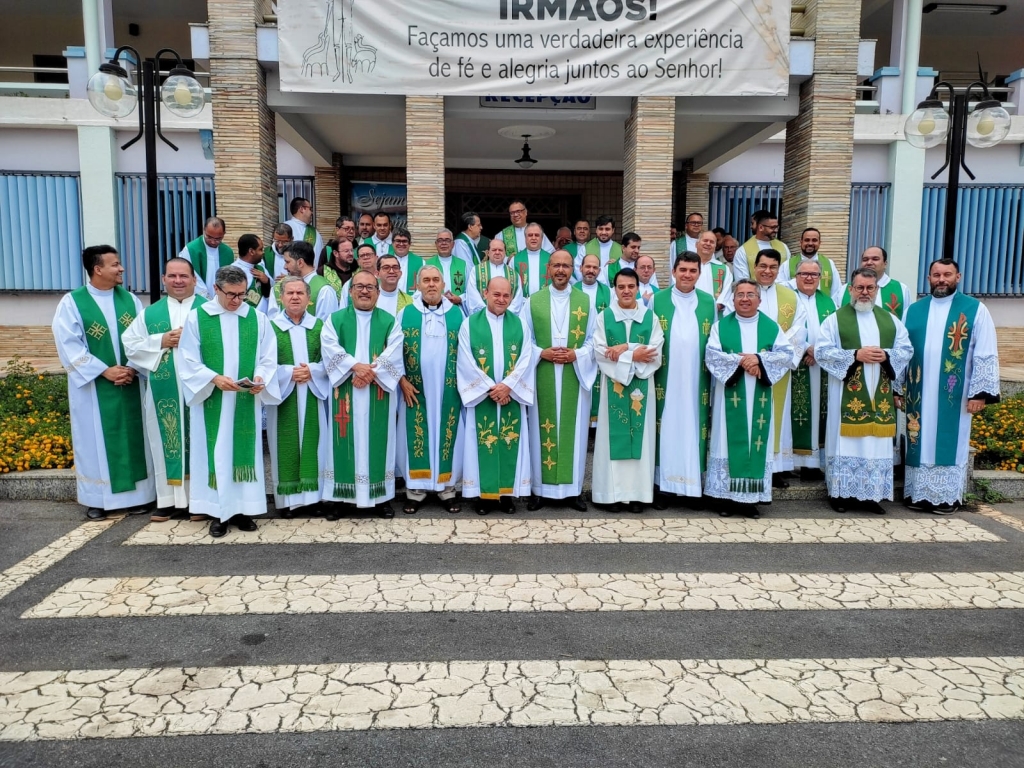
(214, 239)
(516, 211)
(390, 268)
(443, 240)
(745, 296)
(808, 274)
(696, 221)
(399, 242)
(233, 296)
(364, 288)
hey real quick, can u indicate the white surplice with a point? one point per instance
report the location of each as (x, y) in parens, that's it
(835, 292)
(339, 362)
(813, 325)
(145, 352)
(724, 366)
(433, 357)
(585, 367)
(473, 298)
(247, 268)
(92, 473)
(545, 244)
(204, 283)
(475, 385)
(625, 480)
(229, 498)
(311, 394)
(464, 251)
(946, 484)
(679, 471)
(299, 233)
(858, 467)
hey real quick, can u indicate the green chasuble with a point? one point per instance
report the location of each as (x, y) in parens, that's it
(664, 309)
(459, 273)
(747, 440)
(593, 248)
(211, 348)
(120, 406)
(270, 259)
(166, 392)
(828, 268)
(497, 444)
(417, 424)
(197, 253)
(891, 296)
(752, 247)
(254, 292)
(801, 415)
(861, 413)
(604, 299)
(558, 450)
(298, 462)
(521, 264)
(412, 270)
(478, 249)
(627, 410)
(346, 326)
(951, 379)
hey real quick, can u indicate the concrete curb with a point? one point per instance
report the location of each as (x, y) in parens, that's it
(1008, 483)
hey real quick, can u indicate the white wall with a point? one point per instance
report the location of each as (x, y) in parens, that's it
(870, 164)
(187, 160)
(290, 162)
(24, 149)
(995, 165)
(763, 163)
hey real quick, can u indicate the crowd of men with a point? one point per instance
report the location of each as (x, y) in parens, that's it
(488, 367)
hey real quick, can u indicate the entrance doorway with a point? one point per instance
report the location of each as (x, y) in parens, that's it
(550, 211)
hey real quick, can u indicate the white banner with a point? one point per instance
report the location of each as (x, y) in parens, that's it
(524, 47)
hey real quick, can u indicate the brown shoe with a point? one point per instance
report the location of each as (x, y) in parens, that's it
(198, 518)
(159, 517)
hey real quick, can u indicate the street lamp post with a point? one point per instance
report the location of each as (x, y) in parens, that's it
(984, 126)
(112, 93)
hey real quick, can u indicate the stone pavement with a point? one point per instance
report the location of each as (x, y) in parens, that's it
(550, 638)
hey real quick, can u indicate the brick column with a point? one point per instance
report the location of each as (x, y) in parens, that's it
(245, 147)
(698, 196)
(647, 174)
(424, 169)
(327, 194)
(819, 141)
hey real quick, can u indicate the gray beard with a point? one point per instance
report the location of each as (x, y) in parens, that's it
(941, 292)
(864, 306)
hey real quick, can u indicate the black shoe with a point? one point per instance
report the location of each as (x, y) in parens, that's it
(874, 508)
(286, 514)
(811, 475)
(754, 513)
(778, 482)
(386, 511)
(481, 507)
(692, 503)
(508, 505)
(635, 507)
(139, 510)
(95, 513)
(660, 502)
(218, 529)
(333, 511)
(244, 523)
(579, 503)
(535, 503)
(726, 510)
(838, 504)
(944, 509)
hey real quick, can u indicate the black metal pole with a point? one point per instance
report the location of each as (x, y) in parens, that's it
(149, 107)
(956, 137)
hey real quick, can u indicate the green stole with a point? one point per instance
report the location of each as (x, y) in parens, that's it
(787, 314)
(521, 264)
(751, 248)
(827, 270)
(951, 377)
(891, 296)
(413, 263)
(270, 260)
(478, 249)
(483, 276)
(309, 235)
(627, 412)
(197, 251)
(120, 406)
(558, 466)
(717, 276)
(613, 268)
(593, 248)
(682, 246)
(254, 293)
(801, 415)
(497, 470)
(604, 298)
(748, 442)
(877, 416)
(211, 347)
(163, 386)
(333, 280)
(664, 308)
(370, 241)
(417, 425)
(508, 234)
(346, 326)
(298, 462)
(458, 269)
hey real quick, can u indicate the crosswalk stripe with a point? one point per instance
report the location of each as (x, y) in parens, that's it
(36, 563)
(577, 592)
(114, 703)
(594, 530)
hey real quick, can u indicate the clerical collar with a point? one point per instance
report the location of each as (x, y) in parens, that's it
(432, 307)
(564, 292)
(747, 319)
(389, 294)
(686, 295)
(493, 316)
(100, 291)
(944, 299)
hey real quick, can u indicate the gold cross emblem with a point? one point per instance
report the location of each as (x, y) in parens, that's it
(664, 324)
(761, 421)
(704, 397)
(763, 399)
(549, 462)
(759, 443)
(96, 331)
(580, 314)
(577, 333)
(125, 320)
(548, 444)
(706, 327)
(735, 399)
(547, 426)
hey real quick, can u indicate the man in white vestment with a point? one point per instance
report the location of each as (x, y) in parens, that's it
(381, 238)
(401, 242)
(953, 375)
(831, 279)
(495, 265)
(603, 246)
(560, 323)
(366, 261)
(151, 344)
(455, 270)
(496, 382)
(301, 222)
(514, 235)
(715, 277)
(688, 242)
(299, 260)
(297, 428)
(208, 253)
(627, 345)
(865, 351)
(273, 254)
(362, 353)
(747, 354)
(430, 419)
(808, 383)
(365, 228)
(113, 468)
(766, 228)
(250, 261)
(469, 246)
(531, 263)
(228, 364)
(630, 253)
(892, 296)
(683, 385)
(389, 276)
(648, 285)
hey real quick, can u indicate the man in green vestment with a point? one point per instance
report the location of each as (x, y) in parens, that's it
(401, 242)
(208, 253)
(602, 246)
(301, 223)
(381, 237)
(250, 261)
(454, 269)
(273, 254)
(892, 295)
(112, 461)
(600, 299)
(514, 235)
(469, 245)
(766, 228)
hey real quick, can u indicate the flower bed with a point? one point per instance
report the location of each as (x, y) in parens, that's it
(35, 429)
(997, 433)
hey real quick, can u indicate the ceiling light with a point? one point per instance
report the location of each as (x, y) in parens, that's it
(990, 9)
(526, 162)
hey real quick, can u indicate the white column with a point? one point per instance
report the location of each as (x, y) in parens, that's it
(97, 157)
